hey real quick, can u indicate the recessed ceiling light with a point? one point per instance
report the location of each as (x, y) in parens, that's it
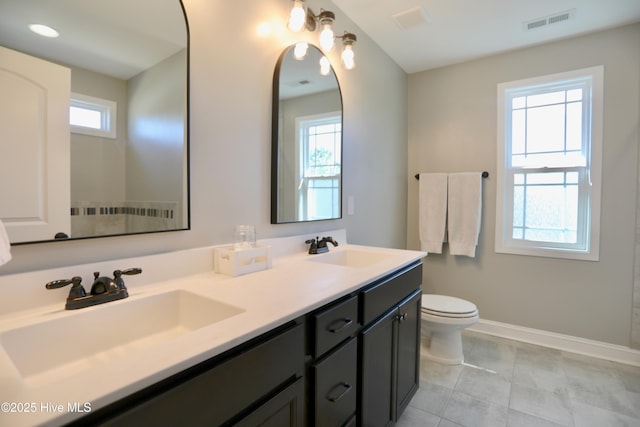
(43, 30)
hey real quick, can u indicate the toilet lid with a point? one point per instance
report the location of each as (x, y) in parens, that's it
(447, 306)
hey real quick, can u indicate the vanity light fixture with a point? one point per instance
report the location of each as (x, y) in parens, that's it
(348, 39)
(44, 30)
(325, 66)
(301, 18)
(300, 50)
(326, 19)
(297, 17)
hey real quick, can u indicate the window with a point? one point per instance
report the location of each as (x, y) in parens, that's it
(320, 166)
(92, 116)
(549, 157)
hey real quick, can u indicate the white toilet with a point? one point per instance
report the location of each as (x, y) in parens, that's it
(443, 319)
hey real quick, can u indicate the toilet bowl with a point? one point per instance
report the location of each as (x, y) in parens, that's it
(443, 319)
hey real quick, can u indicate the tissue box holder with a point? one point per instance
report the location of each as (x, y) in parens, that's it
(238, 262)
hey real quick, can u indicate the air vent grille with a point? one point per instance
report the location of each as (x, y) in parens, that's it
(411, 18)
(549, 20)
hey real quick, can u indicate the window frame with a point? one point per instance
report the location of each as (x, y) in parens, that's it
(107, 110)
(302, 123)
(589, 187)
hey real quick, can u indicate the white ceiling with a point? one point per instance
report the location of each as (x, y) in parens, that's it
(115, 37)
(444, 32)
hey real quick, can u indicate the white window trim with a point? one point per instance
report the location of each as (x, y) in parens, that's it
(299, 155)
(106, 107)
(592, 253)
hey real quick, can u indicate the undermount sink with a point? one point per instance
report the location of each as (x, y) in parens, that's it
(90, 339)
(350, 258)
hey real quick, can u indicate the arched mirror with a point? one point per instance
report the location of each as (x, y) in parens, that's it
(306, 157)
(102, 148)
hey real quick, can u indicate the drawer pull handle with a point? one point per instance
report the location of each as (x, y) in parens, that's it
(346, 387)
(346, 324)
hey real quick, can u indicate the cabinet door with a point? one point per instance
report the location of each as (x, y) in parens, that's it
(283, 410)
(408, 351)
(377, 379)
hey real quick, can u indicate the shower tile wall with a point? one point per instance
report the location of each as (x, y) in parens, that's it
(104, 218)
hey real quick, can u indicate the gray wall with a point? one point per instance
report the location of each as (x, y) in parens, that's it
(231, 75)
(104, 179)
(452, 127)
(156, 147)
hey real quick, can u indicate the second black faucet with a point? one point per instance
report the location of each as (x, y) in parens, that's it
(319, 246)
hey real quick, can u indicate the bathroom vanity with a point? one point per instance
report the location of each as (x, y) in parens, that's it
(311, 342)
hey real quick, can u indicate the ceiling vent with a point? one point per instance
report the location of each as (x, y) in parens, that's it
(550, 20)
(412, 18)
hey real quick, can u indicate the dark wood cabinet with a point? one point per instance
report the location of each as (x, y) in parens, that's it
(223, 390)
(353, 362)
(408, 351)
(377, 374)
(285, 409)
(390, 352)
(335, 378)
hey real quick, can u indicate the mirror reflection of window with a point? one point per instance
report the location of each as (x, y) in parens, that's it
(320, 161)
(306, 175)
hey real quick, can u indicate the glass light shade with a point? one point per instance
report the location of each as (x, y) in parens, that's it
(300, 50)
(347, 57)
(326, 38)
(325, 66)
(297, 17)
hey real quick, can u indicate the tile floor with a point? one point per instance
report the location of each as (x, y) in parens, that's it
(509, 383)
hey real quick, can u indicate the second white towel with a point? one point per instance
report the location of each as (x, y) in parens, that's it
(464, 212)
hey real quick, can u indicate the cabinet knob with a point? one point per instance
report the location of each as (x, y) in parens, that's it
(401, 317)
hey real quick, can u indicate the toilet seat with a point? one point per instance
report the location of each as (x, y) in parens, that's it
(446, 306)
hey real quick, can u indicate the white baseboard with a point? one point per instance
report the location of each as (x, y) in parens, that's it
(601, 350)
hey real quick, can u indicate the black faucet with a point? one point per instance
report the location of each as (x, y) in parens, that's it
(319, 246)
(104, 289)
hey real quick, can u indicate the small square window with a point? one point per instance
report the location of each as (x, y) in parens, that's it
(92, 116)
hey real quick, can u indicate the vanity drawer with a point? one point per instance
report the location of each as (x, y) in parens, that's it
(212, 395)
(335, 380)
(382, 295)
(334, 325)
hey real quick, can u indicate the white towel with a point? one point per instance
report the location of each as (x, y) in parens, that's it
(432, 208)
(464, 212)
(5, 246)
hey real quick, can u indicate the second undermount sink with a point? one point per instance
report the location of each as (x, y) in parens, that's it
(90, 339)
(350, 258)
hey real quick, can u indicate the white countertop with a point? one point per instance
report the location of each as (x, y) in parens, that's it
(294, 286)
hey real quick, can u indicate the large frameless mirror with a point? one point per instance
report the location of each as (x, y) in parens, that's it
(93, 122)
(306, 162)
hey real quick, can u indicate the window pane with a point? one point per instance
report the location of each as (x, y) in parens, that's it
(574, 95)
(517, 132)
(518, 206)
(545, 129)
(574, 126)
(546, 99)
(85, 117)
(322, 199)
(519, 102)
(551, 213)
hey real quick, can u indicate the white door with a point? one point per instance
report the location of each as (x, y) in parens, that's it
(34, 147)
